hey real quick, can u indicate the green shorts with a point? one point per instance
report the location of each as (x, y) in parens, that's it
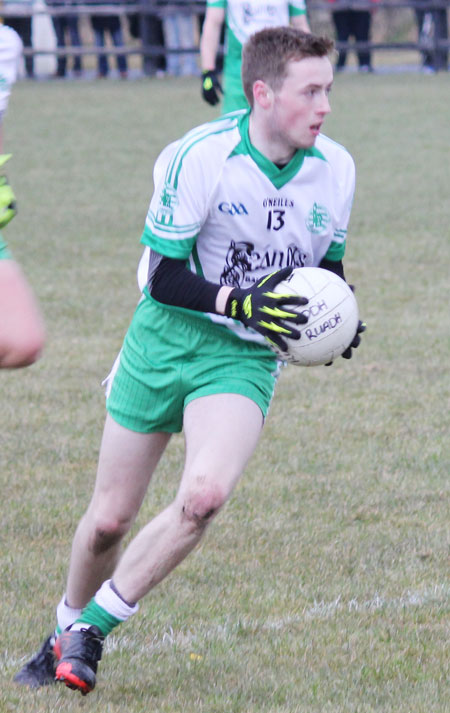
(171, 356)
(233, 97)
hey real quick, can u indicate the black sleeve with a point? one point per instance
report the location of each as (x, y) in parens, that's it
(335, 266)
(172, 283)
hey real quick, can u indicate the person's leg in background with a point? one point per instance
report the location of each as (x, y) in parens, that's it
(441, 33)
(172, 42)
(361, 22)
(341, 19)
(115, 30)
(99, 38)
(188, 40)
(61, 60)
(75, 40)
(22, 25)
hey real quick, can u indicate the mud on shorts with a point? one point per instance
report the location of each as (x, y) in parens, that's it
(171, 356)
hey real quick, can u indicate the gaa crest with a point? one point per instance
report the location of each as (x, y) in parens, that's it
(318, 219)
(168, 201)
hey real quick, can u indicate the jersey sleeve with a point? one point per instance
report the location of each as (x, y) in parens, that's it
(216, 3)
(178, 206)
(10, 53)
(345, 191)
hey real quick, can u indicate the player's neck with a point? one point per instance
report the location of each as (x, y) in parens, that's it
(271, 146)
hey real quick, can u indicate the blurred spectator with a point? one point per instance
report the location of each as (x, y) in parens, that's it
(148, 27)
(66, 24)
(432, 26)
(179, 29)
(21, 22)
(10, 56)
(102, 24)
(242, 20)
(351, 22)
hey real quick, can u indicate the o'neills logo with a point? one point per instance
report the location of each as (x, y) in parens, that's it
(278, 203)
(313, 332)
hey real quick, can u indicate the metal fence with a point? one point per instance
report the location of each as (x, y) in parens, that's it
(146, 46)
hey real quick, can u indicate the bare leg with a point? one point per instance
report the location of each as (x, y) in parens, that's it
(126, 463)
(221, 433)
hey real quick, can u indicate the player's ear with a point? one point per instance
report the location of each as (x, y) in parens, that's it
(262, 94)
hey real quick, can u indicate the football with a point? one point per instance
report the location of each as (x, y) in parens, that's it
(332, 313)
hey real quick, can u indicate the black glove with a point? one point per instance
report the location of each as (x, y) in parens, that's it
(210, 87)
(355, 343)
(356, 340)
(261, 309)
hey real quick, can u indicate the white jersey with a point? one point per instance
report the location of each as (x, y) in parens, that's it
(10, 54)
(246, 18)
(234, 216)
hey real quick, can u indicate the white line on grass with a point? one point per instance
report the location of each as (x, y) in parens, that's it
(438, 595)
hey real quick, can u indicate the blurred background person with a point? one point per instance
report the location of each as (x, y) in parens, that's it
(21, 327)
(148, 28)
(22, 333)
(10, 56)
(432, 26)
(21, 21)
(356, 23)
(242, 20)
(101, 26)
(66, 27)
(180, 33)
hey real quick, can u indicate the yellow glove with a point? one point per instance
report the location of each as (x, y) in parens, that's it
(8, 208)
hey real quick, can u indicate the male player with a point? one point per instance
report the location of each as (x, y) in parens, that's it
(239, 202)
(21, 327)
(242, 20)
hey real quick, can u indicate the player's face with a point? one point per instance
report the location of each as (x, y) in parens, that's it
(301, 104)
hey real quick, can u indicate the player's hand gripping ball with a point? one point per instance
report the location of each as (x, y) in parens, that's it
(269, 309)
(8, 207)
(332, 312)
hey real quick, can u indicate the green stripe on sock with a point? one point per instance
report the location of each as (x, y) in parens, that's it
(95, 615)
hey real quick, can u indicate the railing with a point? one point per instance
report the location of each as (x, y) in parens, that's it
(147, 48)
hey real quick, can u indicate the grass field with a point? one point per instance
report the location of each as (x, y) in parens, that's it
(323, 586)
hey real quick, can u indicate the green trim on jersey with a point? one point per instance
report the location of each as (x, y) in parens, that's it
(197, 263)
(296, 11)
(277, 176)
(176, 249)
(335, 252)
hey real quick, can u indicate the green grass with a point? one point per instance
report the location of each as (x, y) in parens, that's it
(323, 586)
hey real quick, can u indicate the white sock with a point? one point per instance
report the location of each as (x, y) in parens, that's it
(66, 615)
(109, 600)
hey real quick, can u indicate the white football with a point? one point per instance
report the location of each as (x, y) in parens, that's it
(332, 313)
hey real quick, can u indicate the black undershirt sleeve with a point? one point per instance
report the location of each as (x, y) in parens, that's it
(335, 266)
(172, 283)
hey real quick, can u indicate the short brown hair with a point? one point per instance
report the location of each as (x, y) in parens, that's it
(266, 54)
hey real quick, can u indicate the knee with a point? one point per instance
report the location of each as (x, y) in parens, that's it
(199, 506)
(106, 532)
